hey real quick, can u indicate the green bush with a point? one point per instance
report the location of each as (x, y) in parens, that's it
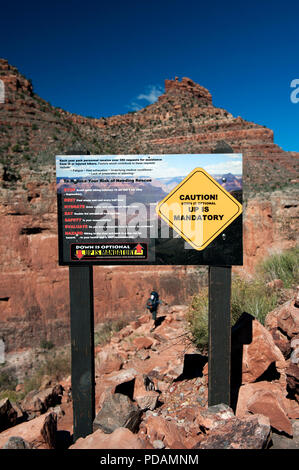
(46, 344)
(246, 296)
(7, 382)
(16, 148)
(198, 318)
(284, 266)
(12, 395)
(56, 367)
(106, 330)
(251, 296)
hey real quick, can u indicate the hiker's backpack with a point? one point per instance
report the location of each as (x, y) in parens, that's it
(153, 301)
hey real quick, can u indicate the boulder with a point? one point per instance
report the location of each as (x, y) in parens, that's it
(256, 345)
(279, 441)
(36, 403)
(144, 393)
(158, 444)
(178, 310)
(288, 320)
(8, 415)
(117, 379)
(252, 432)
(292, 373)
(18, 410)
(285, 317)
(106, 362)
(146, 318)
(268, 404)
(117, 382)
(30, 431)
(120, 438)
(265, 398)
(281, 341)
(16, 442)
(147, 401)
(156, 428)
(143, 342)
(32, 404)
(49, 430)
(295, 342)
(46, 382)
(292, 409)
(294, 359)
(213, 417)
(117, 411)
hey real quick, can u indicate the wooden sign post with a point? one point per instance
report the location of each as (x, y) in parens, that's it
(82, 344)
(219, 335)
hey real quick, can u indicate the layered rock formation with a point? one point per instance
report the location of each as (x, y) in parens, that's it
(183, 120)
(34, 303)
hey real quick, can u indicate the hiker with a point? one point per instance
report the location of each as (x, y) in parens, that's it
(152, 305)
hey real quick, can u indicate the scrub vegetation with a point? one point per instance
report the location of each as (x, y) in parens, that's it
(55, 365)
(251, 296)
(104, 331)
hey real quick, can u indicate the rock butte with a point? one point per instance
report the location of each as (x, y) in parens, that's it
(34, 303)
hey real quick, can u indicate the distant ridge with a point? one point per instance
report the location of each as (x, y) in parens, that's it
(183, 120)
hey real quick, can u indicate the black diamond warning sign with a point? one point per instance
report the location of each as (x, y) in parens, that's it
(199, 209)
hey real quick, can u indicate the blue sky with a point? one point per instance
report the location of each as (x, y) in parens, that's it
(100, 58)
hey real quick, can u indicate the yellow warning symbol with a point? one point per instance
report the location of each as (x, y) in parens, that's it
(199, 209)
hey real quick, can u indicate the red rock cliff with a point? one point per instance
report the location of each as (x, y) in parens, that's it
(34, 302)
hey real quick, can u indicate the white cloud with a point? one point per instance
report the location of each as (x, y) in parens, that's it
(135, 106)
(153, 92)
(232, 166)
(150, 95)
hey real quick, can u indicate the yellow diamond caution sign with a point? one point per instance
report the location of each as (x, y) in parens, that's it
(199, 209)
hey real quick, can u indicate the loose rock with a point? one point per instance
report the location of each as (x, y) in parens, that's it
(250, 433)
(120, 438)
(8, 415)
(16, 442)
(36, 403)
(251, 339)
(49, 430)
(117, 411)
(107, 362)
(268, 399)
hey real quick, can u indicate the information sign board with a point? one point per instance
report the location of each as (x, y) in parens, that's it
(182, 209)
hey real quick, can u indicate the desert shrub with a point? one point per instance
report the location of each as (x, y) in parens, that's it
(44, 344)
(105, 331)
(284, 266)
(56, 367)
(16, 148)
(46, 158)
(12, 395)
(252, 297)
(246, 296)
(198, 317)
(7, 381)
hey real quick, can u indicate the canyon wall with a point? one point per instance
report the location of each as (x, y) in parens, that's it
(34, 296)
